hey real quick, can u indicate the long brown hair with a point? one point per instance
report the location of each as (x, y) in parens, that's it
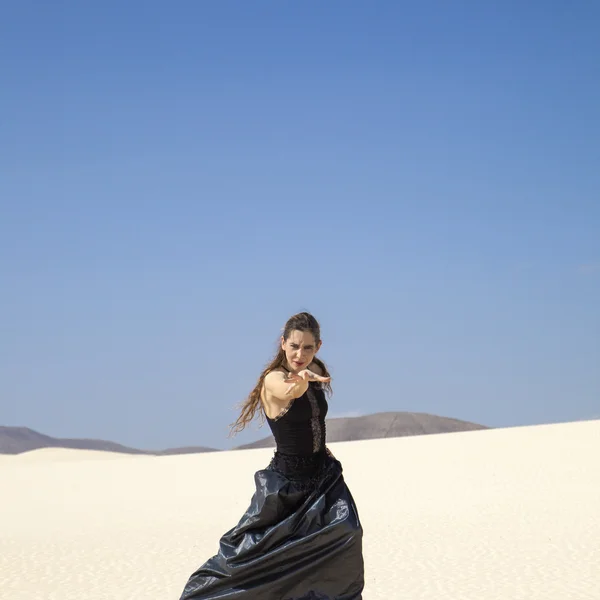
(301, 322)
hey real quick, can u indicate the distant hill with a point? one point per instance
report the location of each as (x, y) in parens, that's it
(382, 425)
(15, 440)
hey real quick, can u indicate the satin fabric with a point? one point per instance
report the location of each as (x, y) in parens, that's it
(300, 539)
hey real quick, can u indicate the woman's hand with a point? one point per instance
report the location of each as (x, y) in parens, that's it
(305, 375)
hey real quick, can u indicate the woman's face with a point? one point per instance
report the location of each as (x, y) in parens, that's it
(300, 349)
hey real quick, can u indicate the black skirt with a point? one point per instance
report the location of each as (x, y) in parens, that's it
(300, 539)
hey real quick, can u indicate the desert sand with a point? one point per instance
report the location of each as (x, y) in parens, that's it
(510, 514)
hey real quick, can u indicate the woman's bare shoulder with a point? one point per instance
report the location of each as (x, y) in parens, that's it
(276, 374)
(273, 381)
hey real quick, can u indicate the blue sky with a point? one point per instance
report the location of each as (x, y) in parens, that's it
(176, 180)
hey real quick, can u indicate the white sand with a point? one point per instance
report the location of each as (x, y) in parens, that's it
(509, 514)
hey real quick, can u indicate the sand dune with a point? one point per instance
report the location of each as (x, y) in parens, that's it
(50, 455)
(496, 514)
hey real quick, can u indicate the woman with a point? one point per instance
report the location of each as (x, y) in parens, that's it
(301, 537)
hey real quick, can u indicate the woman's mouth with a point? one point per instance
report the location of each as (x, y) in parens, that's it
(297, 364)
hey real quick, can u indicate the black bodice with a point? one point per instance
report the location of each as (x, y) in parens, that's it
(300, 429)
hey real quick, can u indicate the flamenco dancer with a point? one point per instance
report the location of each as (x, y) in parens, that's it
(301, 537)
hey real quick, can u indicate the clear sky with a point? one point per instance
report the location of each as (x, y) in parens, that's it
(176, 179)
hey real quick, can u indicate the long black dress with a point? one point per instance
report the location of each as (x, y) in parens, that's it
(301, 537)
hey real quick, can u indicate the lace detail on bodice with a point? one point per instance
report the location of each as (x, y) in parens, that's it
(317, 432)
(300, 427)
